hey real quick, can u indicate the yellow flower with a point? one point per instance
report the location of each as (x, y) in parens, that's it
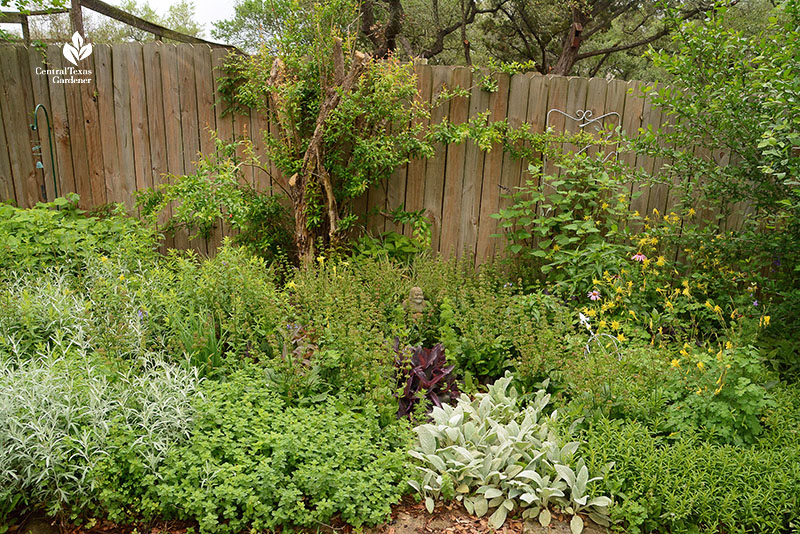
(122, 277)
(669, 305)
(719, 356)
(708, 304)
(321, 259)
(684, 353)
(591, 313)
(604, 205)
(661, 261)
(700, 365)
(620, 337)
(699, 391)
(636, 213)
(691, 212)
(717, 309)
(291, 284)
(728, 345)
(655, 212)
(675, 363)
(104, 258)
(686, 292)
(602, 324)
(633, 313)
(556, 248)
(615, 325)
(766, 320)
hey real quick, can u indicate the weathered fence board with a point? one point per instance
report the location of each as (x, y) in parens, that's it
(149, 110)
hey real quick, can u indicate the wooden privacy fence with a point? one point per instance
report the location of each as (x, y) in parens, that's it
(148, 110)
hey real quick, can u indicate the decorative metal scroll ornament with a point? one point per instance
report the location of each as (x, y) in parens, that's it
(585, 120)
(597, 339)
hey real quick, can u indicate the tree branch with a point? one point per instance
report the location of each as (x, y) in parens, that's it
(473, 11)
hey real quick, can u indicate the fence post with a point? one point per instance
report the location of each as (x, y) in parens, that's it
(76, 17)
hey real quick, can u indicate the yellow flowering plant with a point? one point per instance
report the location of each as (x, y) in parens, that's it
(720, 391)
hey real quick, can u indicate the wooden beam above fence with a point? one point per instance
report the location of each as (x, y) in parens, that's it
(142, 24)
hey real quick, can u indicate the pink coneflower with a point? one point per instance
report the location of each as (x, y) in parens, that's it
(638, 257)
(593, 295)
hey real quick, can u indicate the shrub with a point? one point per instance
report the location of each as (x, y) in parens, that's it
(340, 310)
(563, 228)
(722, 394)
(254, 462)
(59, 234)
(491, 453)
(219, 191)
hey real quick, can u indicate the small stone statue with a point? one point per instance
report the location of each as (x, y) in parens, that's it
(415, 304)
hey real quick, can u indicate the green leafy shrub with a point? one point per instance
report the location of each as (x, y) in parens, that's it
(203, 311)
(340, 307)
(217, 192)
(490, 452)
(733, 145)
(254, 462)
(693, 486)
(563, 228)
(59, 234)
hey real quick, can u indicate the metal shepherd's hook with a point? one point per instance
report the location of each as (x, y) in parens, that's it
(35, 127)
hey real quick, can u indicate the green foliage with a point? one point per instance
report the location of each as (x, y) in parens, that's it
(486, 329)
(564, 227)
(56, 415)
(738, 97)
(333, 336)
(722, 395)
(693, 486)
(219, 192)
(277, 23)
(58, 233)
(333, 141)
(499, 455)
(397, 246)
(253, 461)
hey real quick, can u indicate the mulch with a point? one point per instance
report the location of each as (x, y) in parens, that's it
(408, 517)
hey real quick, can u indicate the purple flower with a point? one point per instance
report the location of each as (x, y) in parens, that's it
(593, 295)
(755, 303)
(638, 257)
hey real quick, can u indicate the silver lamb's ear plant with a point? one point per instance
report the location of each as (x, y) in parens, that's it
(501, 457)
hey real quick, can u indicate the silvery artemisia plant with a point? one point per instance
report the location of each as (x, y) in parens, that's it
(489, 453)
(57, 409)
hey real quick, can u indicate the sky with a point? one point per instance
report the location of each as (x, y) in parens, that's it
(206, 11)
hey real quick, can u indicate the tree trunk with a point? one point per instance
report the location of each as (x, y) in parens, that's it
(572, 43)
(303, 238)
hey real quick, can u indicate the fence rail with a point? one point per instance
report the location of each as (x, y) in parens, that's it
(147, 112)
